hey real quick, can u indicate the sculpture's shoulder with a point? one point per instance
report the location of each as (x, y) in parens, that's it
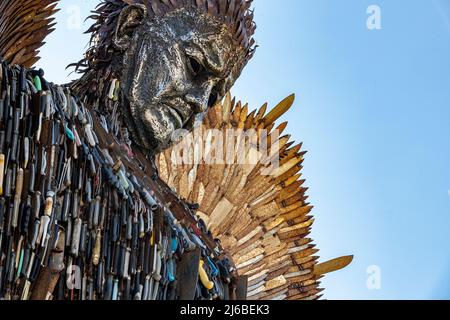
(72, 197)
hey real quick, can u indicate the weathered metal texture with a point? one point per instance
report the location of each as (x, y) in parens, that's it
(188, 275)
(234, 14)
(24, 24)
(263, 221)
(173, 60)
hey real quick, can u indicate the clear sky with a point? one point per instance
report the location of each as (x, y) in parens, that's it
(373, 110)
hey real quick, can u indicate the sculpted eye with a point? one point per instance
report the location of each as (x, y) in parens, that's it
(213, 98)
(195, 66)
(217, 93)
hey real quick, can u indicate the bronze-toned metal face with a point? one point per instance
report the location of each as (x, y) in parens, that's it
(174, 68)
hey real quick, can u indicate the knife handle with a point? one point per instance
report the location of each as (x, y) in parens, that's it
(204, 276)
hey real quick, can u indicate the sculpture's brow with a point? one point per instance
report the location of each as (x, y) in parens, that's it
(213, 57)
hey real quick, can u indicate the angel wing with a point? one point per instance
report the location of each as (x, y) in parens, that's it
(262, 219)
(24, 24)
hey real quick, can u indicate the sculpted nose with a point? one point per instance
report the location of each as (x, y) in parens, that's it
(200, 97)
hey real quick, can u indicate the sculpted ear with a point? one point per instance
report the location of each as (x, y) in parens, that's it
(130, 18)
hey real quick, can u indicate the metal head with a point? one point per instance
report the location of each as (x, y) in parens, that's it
(174, 59)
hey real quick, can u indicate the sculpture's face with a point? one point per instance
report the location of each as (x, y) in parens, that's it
(174, 68)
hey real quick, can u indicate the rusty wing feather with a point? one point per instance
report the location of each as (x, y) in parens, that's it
(24, 25)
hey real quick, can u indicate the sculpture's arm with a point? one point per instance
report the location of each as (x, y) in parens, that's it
(73, 196)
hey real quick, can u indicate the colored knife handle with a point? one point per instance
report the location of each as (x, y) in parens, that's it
(208, 284)
(97, 249)
(17, 197)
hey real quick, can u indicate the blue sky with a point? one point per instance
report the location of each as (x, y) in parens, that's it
(373, 110)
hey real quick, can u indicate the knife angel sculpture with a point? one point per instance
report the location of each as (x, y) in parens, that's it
(96, 177)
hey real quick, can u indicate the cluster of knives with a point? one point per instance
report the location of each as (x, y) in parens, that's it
(81, 220)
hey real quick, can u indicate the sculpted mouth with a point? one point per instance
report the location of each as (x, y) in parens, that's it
(180, 113)
(177, 116)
